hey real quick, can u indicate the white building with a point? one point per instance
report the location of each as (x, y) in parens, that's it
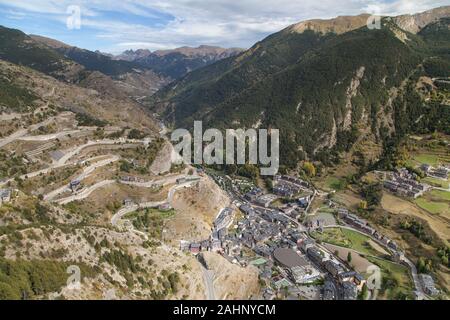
(304, 274)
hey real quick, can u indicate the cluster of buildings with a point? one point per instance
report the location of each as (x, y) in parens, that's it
(285, 187)
(259, 226)
(404, 184)
(198, 247)
(289, 187)
(223, 220)
(297, 258)
(288, 257)
(216, 242)
(257, 197)
(273, 241)
(298, 269)
(362, 225)
(355, 221)
(347, 282)
(441, 172)
(292, 210)
(5, 196)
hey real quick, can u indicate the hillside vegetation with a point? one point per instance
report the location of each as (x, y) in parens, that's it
(322, 90)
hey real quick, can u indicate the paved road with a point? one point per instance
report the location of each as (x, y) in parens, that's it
(442, 189)
(13, 137)
(146, 184)
(10, 116)
(152, 183)
(208, 278)
(62, 162)
(85, 193)
(73, 152)
(415, 276)
(128, 209)
(54, 136)
(22, 132)
(86, 172)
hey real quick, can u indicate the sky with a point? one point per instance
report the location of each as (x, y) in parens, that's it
(114, 26)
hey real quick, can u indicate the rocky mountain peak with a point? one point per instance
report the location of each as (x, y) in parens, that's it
(416, 22)
(337, 25)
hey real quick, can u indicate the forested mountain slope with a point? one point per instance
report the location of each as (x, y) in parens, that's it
(323, 85)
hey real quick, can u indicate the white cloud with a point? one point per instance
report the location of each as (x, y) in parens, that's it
(218, 22)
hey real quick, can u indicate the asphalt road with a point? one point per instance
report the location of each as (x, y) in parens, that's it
(208, 278)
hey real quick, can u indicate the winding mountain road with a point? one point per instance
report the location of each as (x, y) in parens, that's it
(20, 134)
(86, 172)
(85, 193)
(128, 209)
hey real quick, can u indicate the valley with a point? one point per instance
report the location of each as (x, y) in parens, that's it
(358, 210)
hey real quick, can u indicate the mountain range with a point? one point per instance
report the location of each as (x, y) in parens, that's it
(324, 83)
(87, 177)
(32, 65)
(153, 69)
(178, 62)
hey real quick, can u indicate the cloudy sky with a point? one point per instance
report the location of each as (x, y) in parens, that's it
(117, 25)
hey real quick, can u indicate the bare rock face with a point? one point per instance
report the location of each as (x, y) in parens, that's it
(338, 25)
(415, 23)
(231, 282)
(411, 23)
(163, 161)
(197, 207)
(131, 55)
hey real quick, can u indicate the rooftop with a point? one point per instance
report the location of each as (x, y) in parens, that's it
(289, 258)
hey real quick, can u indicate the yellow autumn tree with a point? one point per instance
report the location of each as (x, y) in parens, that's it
(309, 169)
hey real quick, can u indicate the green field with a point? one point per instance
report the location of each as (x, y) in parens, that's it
(333, 236)
(433, 207)
(347, 239)
(334, 183)
(436, 182)
(441, 195)
(396, 279)
(434, 156)
(430, 159)
(360, 242)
